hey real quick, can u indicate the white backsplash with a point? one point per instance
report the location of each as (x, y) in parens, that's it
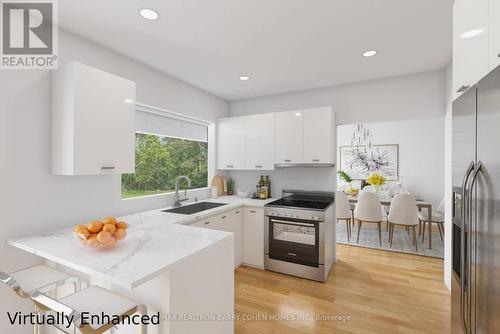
(311, 178)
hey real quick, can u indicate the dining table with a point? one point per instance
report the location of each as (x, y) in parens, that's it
(421, 205)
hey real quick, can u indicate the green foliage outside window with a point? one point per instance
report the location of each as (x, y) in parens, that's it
(159, 160)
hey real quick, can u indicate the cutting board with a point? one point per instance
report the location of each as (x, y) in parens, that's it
(218, 182)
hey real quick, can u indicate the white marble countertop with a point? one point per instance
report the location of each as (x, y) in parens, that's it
(156, 240)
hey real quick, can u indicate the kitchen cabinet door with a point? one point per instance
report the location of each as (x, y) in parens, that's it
(92, 122)
(235, 219)
(494, 33)
(318, 135)
(231, 143)
(288, 141)
(229, 221)
(253, 237)
(260, 142)
(470, 43)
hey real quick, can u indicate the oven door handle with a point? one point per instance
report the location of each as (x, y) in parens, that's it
(289, 222)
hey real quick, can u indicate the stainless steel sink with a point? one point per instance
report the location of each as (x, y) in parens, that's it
(194, 208)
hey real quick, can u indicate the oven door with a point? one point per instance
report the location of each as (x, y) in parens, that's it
(294, 240)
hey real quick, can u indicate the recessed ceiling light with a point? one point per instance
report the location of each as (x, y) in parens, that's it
(149, 14)
(472, 33)
(369, 53)
(298, 114)
(128, 101)
(244, 78)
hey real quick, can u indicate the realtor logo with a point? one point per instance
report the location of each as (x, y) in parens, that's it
(29, 34)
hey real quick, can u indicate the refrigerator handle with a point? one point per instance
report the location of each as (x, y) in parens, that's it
(464, 214)
(470, 236)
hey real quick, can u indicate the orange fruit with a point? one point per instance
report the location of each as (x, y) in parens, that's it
(93, 242)
(110, 244)
(104, 236)
(109, 220)
(122, 225)
(95, 227)
(84, 233)
(109, 228)
(79, 227)
(120, 234)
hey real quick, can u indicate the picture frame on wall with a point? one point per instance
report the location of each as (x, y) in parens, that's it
(359, 162)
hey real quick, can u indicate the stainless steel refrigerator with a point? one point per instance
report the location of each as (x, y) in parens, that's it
(476, 209)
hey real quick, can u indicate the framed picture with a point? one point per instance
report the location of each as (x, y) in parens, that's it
(359, 162)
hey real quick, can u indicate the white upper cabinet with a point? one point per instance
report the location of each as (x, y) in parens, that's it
(471, 43)
(318, 140)
(494, 33)
(231, 143)
(260, 142)
(92, 122)
(288, 142)
(246, 142)
(305, 137)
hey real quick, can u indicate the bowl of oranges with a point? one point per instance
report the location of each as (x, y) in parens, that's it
(102, 234)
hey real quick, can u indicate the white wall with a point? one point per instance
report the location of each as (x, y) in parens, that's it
(421, 152)
(416, 96)
(31, 199)
(409, 97)
(448, 178)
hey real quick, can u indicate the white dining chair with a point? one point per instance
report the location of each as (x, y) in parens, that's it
(368, 211)
(343, 211)
(403, 212)
(437, 218)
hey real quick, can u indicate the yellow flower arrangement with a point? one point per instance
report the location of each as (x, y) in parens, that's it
(376, 179)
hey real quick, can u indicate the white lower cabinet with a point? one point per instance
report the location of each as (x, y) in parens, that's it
(247, 224)
(229, 221)
(253, 237)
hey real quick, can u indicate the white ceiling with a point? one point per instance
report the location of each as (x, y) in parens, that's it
(283, 45)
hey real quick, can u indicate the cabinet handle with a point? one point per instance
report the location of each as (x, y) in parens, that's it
(252, 211)
(462, 89)
(206, 223)
(498, 55)
(315, 160)
(258, 166)
(237, 212)
(223, 217)
(288, 160)
(230, 166)
(108, 167)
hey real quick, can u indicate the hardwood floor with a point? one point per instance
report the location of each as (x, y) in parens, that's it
(374, 291)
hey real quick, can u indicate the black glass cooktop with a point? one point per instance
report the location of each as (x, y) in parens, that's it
(305, 202)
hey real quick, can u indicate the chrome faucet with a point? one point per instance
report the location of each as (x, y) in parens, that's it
(177, 199)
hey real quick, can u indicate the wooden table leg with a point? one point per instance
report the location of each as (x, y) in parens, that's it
(430, 226)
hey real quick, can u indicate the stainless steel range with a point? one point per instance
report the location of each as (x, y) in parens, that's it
(300, 234)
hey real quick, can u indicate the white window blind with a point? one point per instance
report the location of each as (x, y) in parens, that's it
(159, 122)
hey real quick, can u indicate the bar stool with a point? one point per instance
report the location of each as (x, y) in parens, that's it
(94, 301)
(27, 281)
(43, 278)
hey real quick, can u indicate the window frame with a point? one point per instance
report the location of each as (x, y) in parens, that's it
(210, 145)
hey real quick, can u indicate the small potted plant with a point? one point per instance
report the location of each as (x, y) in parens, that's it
(347, 179)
